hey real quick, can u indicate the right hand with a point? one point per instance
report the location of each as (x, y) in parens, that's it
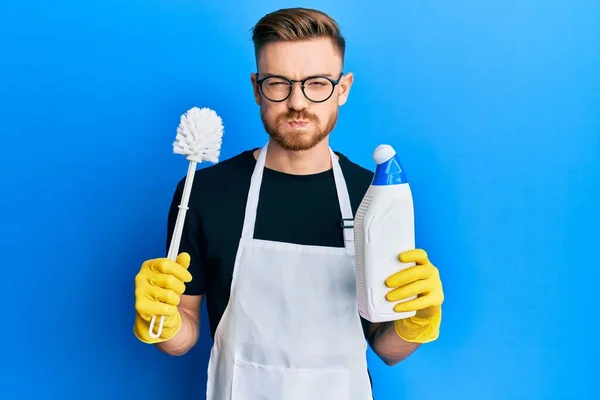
(158, 287)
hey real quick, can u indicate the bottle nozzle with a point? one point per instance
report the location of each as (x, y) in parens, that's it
(383, 153)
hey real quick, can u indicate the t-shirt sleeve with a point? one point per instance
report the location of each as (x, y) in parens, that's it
(190, 241)
(366, 325)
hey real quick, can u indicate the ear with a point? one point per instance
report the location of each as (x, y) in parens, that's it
(256, 90)
(344, 88)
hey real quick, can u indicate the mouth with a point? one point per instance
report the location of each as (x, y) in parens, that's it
(298, 124)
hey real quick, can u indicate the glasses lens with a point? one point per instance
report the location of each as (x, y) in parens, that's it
(318, 89)
(276, 89)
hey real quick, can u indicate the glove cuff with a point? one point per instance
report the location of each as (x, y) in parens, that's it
(419, 330)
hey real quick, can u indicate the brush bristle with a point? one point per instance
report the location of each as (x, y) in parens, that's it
(199, 135)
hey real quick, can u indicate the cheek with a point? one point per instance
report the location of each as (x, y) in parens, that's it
(273, 110)
(324, 112)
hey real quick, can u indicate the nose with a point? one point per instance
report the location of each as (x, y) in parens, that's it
(297, 101)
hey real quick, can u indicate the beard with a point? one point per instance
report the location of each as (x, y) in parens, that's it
(298, 139)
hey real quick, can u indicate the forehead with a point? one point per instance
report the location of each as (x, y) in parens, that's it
(299, 59)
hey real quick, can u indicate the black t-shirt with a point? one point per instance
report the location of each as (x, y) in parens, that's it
(301, 209)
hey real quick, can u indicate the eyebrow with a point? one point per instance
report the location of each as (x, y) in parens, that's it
(329, 75)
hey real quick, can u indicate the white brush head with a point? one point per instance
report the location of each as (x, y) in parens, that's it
(199, 135)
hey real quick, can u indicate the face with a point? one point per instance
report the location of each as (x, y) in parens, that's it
(298, 123)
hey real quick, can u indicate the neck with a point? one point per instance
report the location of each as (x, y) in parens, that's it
(305, 162)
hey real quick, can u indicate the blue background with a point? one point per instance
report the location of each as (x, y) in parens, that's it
(494, 107)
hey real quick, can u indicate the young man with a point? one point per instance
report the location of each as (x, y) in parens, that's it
(266, 247)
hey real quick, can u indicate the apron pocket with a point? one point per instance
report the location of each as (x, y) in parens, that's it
(259, 382)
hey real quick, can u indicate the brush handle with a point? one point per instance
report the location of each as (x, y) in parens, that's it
(176, 237)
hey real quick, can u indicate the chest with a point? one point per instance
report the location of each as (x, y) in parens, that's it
(306, 213)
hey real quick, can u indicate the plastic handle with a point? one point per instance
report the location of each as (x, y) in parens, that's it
(176, 238)
(160, 327)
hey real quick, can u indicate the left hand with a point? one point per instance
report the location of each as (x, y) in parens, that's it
(422, 280)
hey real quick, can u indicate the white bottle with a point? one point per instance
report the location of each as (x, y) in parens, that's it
(383, 228)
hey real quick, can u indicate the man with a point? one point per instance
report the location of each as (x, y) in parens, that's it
(263, 242)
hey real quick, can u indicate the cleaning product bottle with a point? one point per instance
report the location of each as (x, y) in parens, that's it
(383, 228)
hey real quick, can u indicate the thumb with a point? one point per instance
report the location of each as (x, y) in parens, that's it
(184, 260)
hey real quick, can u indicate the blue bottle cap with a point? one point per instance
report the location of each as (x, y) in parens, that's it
(389, 170)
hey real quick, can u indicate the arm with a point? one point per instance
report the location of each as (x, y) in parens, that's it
(173, 289)
(395, 340)
(386, 343)
(187, 336)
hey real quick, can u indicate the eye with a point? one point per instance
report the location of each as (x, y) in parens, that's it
(276, 82)
(317, 83)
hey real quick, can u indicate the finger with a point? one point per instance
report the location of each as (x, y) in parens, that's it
(409, 275)
(166, 282)
(153, 278)
(412, 289)
(418, 256)
(184, 260)
(162, 295)
(415, 305)
(147, 308)
(141, 304)
(169, 267)
(149, 291)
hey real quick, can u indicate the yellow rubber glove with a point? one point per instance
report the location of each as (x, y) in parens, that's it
(158, 287)
(423, 281)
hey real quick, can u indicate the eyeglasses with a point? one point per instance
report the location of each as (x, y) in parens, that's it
(278, 88)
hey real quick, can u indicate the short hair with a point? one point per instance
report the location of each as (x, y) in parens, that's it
(297, 24)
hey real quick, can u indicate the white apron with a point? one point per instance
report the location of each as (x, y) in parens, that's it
(291, 329)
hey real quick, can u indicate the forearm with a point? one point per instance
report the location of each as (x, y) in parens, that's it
(185, 339)
(386, 343)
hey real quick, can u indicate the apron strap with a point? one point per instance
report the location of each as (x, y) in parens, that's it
(253, 193)
(345, 206)
(347, 222)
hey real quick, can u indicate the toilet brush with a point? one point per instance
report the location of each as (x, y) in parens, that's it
(199, 138)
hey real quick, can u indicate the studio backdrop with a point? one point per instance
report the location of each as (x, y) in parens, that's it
(493, 107)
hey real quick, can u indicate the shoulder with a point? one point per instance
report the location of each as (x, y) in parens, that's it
(355, 173)
(358, 178)
(216, 180)
(241, 163)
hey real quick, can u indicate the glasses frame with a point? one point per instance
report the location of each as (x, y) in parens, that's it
(291, 82)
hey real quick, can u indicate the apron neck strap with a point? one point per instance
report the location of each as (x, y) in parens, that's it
(347, 222)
